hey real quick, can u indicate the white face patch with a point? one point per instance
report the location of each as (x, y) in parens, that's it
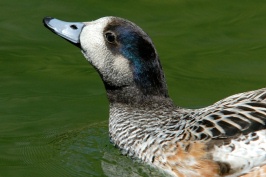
(93, 42)
(114, 68)
(121, 64)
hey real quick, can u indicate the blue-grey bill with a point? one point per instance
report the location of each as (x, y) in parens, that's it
(68, 30)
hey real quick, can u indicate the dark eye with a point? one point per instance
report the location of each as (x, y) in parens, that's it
(110, 37)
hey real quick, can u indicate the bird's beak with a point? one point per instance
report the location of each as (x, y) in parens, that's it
(67, 30)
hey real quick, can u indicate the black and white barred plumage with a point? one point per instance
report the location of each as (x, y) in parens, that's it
(227, 138)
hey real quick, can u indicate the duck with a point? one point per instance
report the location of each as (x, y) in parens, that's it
(227, 138)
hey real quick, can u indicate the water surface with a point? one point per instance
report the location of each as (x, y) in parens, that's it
(53, 108)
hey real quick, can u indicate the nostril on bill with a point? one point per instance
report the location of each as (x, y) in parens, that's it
(73, 27)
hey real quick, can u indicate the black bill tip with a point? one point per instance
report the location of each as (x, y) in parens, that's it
(46, 20)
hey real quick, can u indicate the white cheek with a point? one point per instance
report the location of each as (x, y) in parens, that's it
(121, 65)
(92, 43)
(114, 69)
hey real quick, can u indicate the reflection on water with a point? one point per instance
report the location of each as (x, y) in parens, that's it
(54, 110)
(81, 148)
(85, 151)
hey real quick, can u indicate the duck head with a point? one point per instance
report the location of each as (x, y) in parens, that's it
(121, 52)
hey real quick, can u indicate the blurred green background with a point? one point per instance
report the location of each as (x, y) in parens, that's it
(53, 108)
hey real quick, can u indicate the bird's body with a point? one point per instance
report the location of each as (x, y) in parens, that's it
(227, 138)
(191, 142)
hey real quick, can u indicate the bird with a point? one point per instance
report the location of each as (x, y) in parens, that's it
(227, 138)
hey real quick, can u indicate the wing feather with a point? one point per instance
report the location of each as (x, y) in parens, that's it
(238, 114)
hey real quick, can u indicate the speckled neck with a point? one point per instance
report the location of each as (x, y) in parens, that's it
(133, 96)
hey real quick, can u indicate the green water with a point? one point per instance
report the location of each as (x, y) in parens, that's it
(53, 109)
